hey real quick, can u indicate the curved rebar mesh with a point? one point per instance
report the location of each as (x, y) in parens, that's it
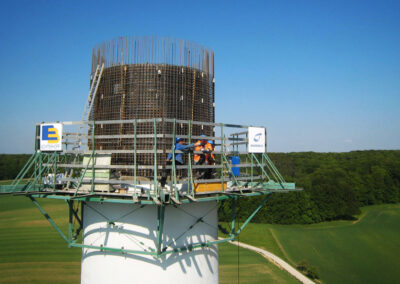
(150, 77)
(153, 50)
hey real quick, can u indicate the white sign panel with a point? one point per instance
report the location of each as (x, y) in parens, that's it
(51, 137)
(256, 143)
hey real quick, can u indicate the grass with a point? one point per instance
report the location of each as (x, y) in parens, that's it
(367, 250)
(32, 252)
(6, 181)
(363, 251)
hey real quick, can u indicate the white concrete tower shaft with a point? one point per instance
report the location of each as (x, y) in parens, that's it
(134, 227)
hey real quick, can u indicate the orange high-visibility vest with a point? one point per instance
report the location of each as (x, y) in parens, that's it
(198, 147)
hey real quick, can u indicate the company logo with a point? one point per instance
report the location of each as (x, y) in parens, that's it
(256, 142)
(50, 134)
(257, 137)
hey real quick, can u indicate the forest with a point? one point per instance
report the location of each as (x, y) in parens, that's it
(11, 164)
(335, 185)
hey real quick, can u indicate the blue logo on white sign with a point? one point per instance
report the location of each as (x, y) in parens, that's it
(257, 137)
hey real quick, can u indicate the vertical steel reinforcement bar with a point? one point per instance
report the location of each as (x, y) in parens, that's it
(134, 159)
(190, 173)
(156, 191)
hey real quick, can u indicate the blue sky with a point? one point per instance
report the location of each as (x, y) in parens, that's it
(320, 75)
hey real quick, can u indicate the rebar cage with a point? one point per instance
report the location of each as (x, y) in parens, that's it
(148, 77)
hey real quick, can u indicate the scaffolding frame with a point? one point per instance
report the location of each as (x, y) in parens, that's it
(263, 179)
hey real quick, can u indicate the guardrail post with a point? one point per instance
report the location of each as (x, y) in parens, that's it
(190, 173)
(252, 169)
(55, 170)
(37, 133)
(247, 151)
(222, 154)
(40, 168)
(93, 158)
(173, 170)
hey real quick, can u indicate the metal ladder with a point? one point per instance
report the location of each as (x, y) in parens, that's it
(86, 112)
(89, 103)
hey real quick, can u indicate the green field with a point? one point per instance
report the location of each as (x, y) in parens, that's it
(366, 250)
(32, 252)
(362, 251)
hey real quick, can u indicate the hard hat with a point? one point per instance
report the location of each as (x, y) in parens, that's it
(210, 141)
(202, 135)
(177, 139)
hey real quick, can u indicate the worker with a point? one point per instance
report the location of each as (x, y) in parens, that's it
(208, 149)
(198, 158)
(178, 157)
(209, 158)
(202, 158)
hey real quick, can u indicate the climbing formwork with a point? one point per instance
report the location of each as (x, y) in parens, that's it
(88, 174)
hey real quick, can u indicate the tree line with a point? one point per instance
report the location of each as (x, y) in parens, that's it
(11, 165)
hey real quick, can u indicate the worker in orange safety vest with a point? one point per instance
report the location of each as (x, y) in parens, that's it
(198, 158)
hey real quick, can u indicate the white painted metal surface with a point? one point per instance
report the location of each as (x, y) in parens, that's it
(135, 227)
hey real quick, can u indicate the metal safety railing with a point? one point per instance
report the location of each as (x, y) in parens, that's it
(121, 158)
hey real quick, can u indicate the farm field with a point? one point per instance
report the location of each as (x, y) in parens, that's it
(362, 251)
(32, 251)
